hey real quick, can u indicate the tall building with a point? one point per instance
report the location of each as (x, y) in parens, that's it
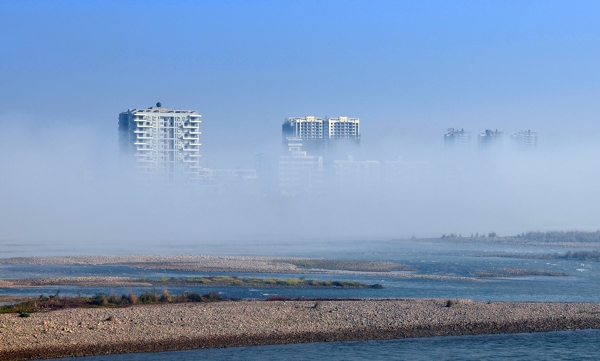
(457, 137)
(163, 142)
(525, 139)
(490, 137)
(321, 134)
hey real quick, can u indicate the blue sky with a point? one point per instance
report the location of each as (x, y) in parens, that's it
(408, 69)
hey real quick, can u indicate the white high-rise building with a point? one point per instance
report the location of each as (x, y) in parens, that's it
(163, 142)
(321, 134)
(341, 128)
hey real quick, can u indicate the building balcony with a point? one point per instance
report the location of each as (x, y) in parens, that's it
(185, 137)
(194, 132)
(191, 149)
(144, 137)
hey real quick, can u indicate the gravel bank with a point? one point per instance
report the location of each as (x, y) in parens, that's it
(88, 281)
(215, 263)
(79, 332)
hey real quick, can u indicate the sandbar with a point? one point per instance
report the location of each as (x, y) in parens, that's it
(153, 328)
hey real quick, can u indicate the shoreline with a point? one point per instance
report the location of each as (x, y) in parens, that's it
(153, 328)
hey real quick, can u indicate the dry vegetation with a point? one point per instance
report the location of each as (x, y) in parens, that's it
(56, 302)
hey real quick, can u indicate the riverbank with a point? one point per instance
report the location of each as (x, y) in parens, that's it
(152, 328)
(236, 264)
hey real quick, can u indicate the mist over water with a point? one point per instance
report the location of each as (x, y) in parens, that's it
(68, 186)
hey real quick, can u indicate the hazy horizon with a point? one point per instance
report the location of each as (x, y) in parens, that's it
(408, 70)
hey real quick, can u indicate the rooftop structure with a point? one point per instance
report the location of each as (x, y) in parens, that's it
(163, 142)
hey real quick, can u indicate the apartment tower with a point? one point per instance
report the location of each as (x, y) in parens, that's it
(162, 142)
(318, 135)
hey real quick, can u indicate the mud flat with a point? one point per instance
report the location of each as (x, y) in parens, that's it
(152, 328)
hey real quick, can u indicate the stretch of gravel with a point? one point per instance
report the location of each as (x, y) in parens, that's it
(211, 263)
(152, 328)
(87, 281)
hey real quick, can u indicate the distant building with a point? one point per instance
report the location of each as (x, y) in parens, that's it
(300, 173)
(352, 175)
(457, 137)
(490, 137)
(525, 139)
(163, 142)
(318, 135)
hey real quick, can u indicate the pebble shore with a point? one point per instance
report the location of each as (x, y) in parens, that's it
(212, 263)
(152, 328)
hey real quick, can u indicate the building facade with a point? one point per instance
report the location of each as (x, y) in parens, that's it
(163, 142)
(321, 134)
